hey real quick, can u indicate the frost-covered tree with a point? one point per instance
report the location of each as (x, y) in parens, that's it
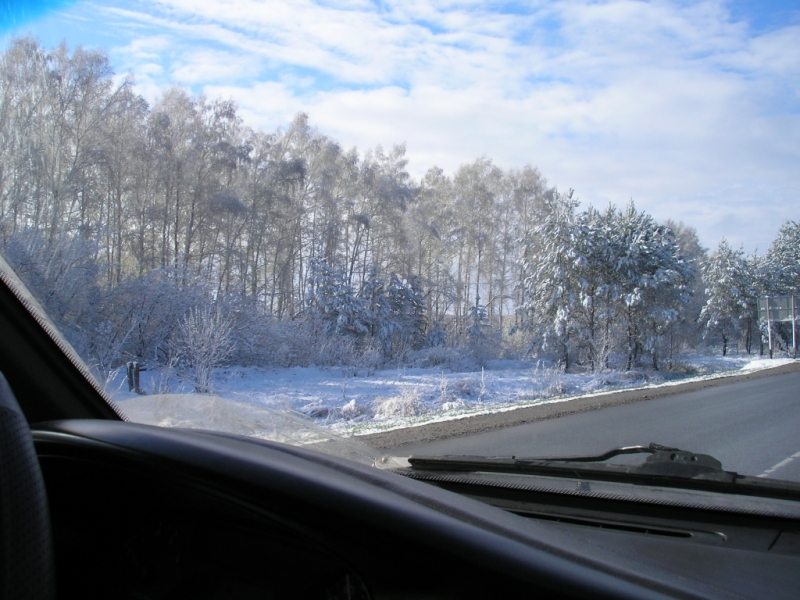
(408, 313)
(754, 277)
(387, 313)
(782, 265)
(653, 281)
(728, 282)
(593, 275)
(388, 310)
(553, 265)
(333, 299)
(596, 311)
(779, 274)
(687, 333)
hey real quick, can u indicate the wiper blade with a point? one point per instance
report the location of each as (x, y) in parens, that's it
(663, 461)
(666, 466)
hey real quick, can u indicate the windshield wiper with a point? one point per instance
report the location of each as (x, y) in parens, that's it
(665, 466)
(663, 461)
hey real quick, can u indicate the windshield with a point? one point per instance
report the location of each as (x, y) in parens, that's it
(494, 230)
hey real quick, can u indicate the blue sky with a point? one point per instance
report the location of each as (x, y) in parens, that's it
(691, 109)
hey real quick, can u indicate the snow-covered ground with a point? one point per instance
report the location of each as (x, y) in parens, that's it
(307, 405)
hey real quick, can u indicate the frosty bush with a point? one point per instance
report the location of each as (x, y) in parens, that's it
(407, 404)
(308, 341)
(464, 387)
(349, 411)
(203, 341)
(353, 410)
(453, 405)
(557, 388)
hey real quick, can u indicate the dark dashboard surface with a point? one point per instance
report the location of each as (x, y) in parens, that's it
(143, 512)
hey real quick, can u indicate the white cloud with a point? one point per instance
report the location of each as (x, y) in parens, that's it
(265, 105)
(671, 104)
(199, 66)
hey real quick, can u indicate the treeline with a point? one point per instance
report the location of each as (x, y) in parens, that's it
(184, 184)
(183, 193)
(125, 218)
(735, 281)
(615, 282)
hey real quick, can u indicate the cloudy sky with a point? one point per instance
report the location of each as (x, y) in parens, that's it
(691, 109)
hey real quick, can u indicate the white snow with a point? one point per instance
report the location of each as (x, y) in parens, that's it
(313, 405)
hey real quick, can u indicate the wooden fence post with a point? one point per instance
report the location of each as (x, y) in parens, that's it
(132, 370)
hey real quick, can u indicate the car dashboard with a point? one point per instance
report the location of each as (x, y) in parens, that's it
(144, 512)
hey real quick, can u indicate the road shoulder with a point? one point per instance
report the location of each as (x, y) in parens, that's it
(429, 432)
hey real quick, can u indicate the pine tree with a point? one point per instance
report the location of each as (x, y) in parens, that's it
(783, 259)
(728, 289)
(553, 263)
(653, 281)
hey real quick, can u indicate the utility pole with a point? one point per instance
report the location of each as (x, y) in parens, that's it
(769, 328)
(794, 326)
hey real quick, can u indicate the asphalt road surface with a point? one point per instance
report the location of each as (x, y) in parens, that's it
(752, 427)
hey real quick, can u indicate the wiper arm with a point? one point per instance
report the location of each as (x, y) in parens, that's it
(652, 448)
(664, 461)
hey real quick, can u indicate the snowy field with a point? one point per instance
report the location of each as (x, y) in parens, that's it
(309, 405)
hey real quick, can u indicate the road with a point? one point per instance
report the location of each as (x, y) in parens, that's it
(752, 427)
